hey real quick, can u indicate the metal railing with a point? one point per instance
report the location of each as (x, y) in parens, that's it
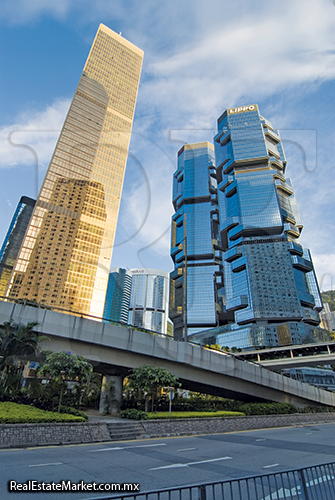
(310, 483)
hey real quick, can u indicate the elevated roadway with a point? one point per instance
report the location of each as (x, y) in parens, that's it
(292, 356)
(114, 350)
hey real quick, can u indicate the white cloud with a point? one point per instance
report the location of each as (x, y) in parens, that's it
(23, 11)
(278, 49)
(33, 136)
(325, 269)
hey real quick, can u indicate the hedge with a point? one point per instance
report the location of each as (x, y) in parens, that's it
(13, 413)
(194, 414)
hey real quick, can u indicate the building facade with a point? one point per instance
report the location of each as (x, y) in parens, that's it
(13, 240)
(327, 318)
(118, 295)
(197, 280)
(320, 377)
(269, 293)
(65, 257)
(138, 297)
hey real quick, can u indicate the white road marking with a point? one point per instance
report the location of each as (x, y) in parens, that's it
(260, 439)
(127, 447)
(268, 466)
(187, 449)
(284, 492)
(308, 433)
(43, 465)
(172, 466)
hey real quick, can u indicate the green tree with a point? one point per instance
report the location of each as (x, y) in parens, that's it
(17, 342)
(63, 367)
(146, 380)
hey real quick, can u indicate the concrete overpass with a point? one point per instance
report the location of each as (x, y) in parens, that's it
(292, 356)
(114, 350)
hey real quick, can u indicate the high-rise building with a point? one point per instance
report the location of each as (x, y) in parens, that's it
(139, 297)
(65, 257)
(269, 284)
(327, 318)
(13, 240)
(197, 280)
(118, 295)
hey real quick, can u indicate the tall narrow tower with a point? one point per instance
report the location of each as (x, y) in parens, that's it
(197, 280)
(13, 240)
(65, 257)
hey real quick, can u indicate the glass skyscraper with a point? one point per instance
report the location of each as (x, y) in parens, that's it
(197, 280)
(138, 297)
(118, 295)
(269, 293)
(13, 240)
(65, 257)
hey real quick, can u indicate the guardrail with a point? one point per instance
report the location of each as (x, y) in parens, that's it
(30, 303)
(310, 483)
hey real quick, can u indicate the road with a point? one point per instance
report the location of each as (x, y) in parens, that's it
(168, 462)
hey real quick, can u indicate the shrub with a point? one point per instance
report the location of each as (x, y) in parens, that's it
(317, 409)
(195, 414)
(73, 411)
(133, 414)
(13, 413)
(267, 408)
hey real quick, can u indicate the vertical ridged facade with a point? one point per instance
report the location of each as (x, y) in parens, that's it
(65, 257)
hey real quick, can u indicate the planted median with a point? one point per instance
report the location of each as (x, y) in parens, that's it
(13, 413)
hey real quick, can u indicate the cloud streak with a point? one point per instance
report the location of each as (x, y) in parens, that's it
(33, 135)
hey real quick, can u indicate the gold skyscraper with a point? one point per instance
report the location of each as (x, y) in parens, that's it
(66, 253)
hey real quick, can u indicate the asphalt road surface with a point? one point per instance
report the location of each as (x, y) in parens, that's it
(165, 462)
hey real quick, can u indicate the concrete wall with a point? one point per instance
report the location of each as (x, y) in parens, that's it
(27, 435)
(180, 427)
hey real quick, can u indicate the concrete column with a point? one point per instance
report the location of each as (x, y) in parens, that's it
(115, 399)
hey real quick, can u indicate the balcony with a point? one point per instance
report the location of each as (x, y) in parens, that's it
(239, 265)
(225, 182)
(310, 316)
(271, 133)
(301, 264)
(283, 187)
(291, 230)
(276, 162)
(233, 254)
(237, 303)
(295, 248)
(230, 223)
(177, 273)
(231, 189)
(306, 299)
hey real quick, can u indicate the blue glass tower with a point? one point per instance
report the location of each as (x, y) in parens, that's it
(196, 282)
(118, 295)
(13, 240)
(269, 293)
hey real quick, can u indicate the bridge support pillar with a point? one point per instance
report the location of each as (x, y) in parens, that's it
(111, 394)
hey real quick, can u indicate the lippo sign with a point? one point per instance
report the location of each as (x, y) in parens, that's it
(252, 107)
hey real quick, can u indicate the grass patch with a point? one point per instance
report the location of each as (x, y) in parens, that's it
(14, 413)
(195, 414)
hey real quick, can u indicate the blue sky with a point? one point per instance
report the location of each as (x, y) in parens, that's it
(199, 59)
